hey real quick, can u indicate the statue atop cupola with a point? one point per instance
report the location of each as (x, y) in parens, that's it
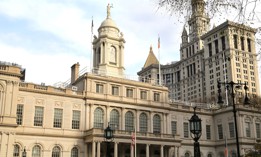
(109, 6)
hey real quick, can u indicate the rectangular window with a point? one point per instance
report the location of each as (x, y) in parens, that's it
(115, 90)
(220, 132)
(156, 97)
(208, 132)
(242, 40)
(210, 49)
(174, 127)
(143, 95)
(258, 133)
(186, 130)
(19, 114)
(76, 120)
(231, 129)
(216, 46)
(248, 134)
(99, 88)
(223, 42)
(249, 45)
(58, 118)
(38, 116)
(129, 93)
(235, 41)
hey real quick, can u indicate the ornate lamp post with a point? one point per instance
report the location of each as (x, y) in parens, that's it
(24, 153)
(108, 135)
(195, 130)
(233, 85)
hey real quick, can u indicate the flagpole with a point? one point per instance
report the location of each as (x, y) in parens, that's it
(91, 46)
(226, 150)
(135, 142)
(159, 59)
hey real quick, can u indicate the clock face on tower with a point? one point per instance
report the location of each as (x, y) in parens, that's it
(113, 55)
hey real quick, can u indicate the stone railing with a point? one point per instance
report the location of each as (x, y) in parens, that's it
(123, 133)
(50, 89)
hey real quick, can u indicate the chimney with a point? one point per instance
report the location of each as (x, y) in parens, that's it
(75, 72)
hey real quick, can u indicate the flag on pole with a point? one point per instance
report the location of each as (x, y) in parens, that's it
(158, 42)
(92, 25)
(133, 139)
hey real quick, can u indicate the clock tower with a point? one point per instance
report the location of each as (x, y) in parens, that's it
(108, 48)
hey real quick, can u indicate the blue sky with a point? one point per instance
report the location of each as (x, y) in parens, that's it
(48, 36)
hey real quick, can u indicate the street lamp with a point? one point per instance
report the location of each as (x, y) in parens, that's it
(24, 153)
(195, 129)
(233, 85)
(108, 135)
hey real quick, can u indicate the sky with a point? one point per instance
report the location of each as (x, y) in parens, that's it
(46, 37)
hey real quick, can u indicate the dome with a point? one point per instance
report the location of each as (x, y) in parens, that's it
(108, 22)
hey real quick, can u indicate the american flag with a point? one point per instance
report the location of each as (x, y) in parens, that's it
(133, 139)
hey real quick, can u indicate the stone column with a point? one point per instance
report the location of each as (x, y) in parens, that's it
(137, 121)
(147, 150)
(93, 148)
(177, 151)
(161, 151)
(163, 124)
(87, 112)
(115, 149)
(122, 119)
(91, 116)
(107, 116)
(150, 122)
(174, 152)
(98, 149)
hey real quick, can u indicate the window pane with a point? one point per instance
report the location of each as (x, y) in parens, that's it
(98, 118)
(231, 130)
(174, 127)
(258, 133)
(115, 90)
(143, 95)
(208, 131)
(74, 152)
(248, 134)
(76, 120)
(99, 88)
(186, 130)
(38, 116)
(58, 117)
(156, 97)
(129, 93)
(114, 119)
(220, 132)
(19, 114)
(129, 121)
(56, 152)
(156, 124)
(16, 152)
(143, 122)
(36, 152)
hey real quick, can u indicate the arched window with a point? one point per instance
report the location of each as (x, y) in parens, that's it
(187, 154)
(114, 119)
(16, 152)
(143, 122)
(209, 155)
(74, 152)
(56, 151)
(36, 151)
(156, 124)
(98, 118)
(129, 121)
